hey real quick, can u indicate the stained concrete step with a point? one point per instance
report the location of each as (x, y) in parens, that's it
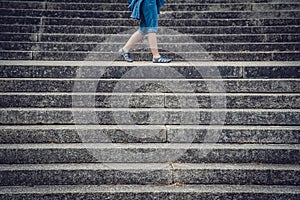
(233, 134)
(164, 15)
(84, 133)
(189, 30)
(102, 38)
(148, 134)
(167, 7)
(165, 22)
(149, 153)
(144, 56)
(167, 1)
(135, 192)
(179, 7)
(85, 85)
(146, 70)
(84, 174)
(162, 22)
(175, 30)
(177, 47)
(217, 1)
(143, 70)
(173, 38)
(152, 116)
(149, 100)
(176, 56)
(154, 173)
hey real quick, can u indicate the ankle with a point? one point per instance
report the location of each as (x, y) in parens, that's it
(125, 49)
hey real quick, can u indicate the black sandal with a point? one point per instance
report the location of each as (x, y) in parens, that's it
(126, 55)
(161, 59)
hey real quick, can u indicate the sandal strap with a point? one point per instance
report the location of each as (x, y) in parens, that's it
(161, 59)
(126, 55)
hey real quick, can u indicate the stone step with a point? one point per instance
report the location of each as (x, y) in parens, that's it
(149, 153)
(144, 56)
(146, 70)
(5, 20)
(174, 30)
(233, 134)
(149, 116)
(148, 134)
(148, 85)
(164, 15)
(135, 192)
(166, 1)
(84, 133)
(100, 38)
(200, 1)
(167, 7)
(142, 47)
(165, 22)
(149, 100)
(146, 174)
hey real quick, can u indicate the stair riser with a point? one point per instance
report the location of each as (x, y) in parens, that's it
(152, 117)
(151, 134)
(51, 38)
(150, 195)
(163, 30)
(148, 101)
(101, 135)
(166, 15)
(113, 72)
(100, 177)
(136, 155)
(253, 177)
(167, 1)
(157, 86)
(168, 7)
(188, 72)
(187, 48)
(241, 136)
(165, 39)
(154, 135)
(5, 20)
(96, 56)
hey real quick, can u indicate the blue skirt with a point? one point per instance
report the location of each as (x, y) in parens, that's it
(149, 17)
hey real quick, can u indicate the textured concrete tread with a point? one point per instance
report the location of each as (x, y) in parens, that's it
(148, 166)
(144, 63)
(142, 189)
(175, 146)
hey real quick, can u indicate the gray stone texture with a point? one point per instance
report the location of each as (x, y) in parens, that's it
(208, 130)
(149, 153)
(189, 192)
(82, 134)
(149, 116)
(158, 86)
(233, 134)
(68, 30)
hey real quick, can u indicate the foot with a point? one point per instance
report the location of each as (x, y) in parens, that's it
(126, 55)
(161, 59)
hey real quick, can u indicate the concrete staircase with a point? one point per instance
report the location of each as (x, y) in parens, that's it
(221, 122)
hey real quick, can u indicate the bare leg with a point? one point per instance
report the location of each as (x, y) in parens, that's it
(136, 37)
(152, 39)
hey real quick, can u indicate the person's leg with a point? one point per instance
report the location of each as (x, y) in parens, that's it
(152, 39)
(150, 27)
(136, 37)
